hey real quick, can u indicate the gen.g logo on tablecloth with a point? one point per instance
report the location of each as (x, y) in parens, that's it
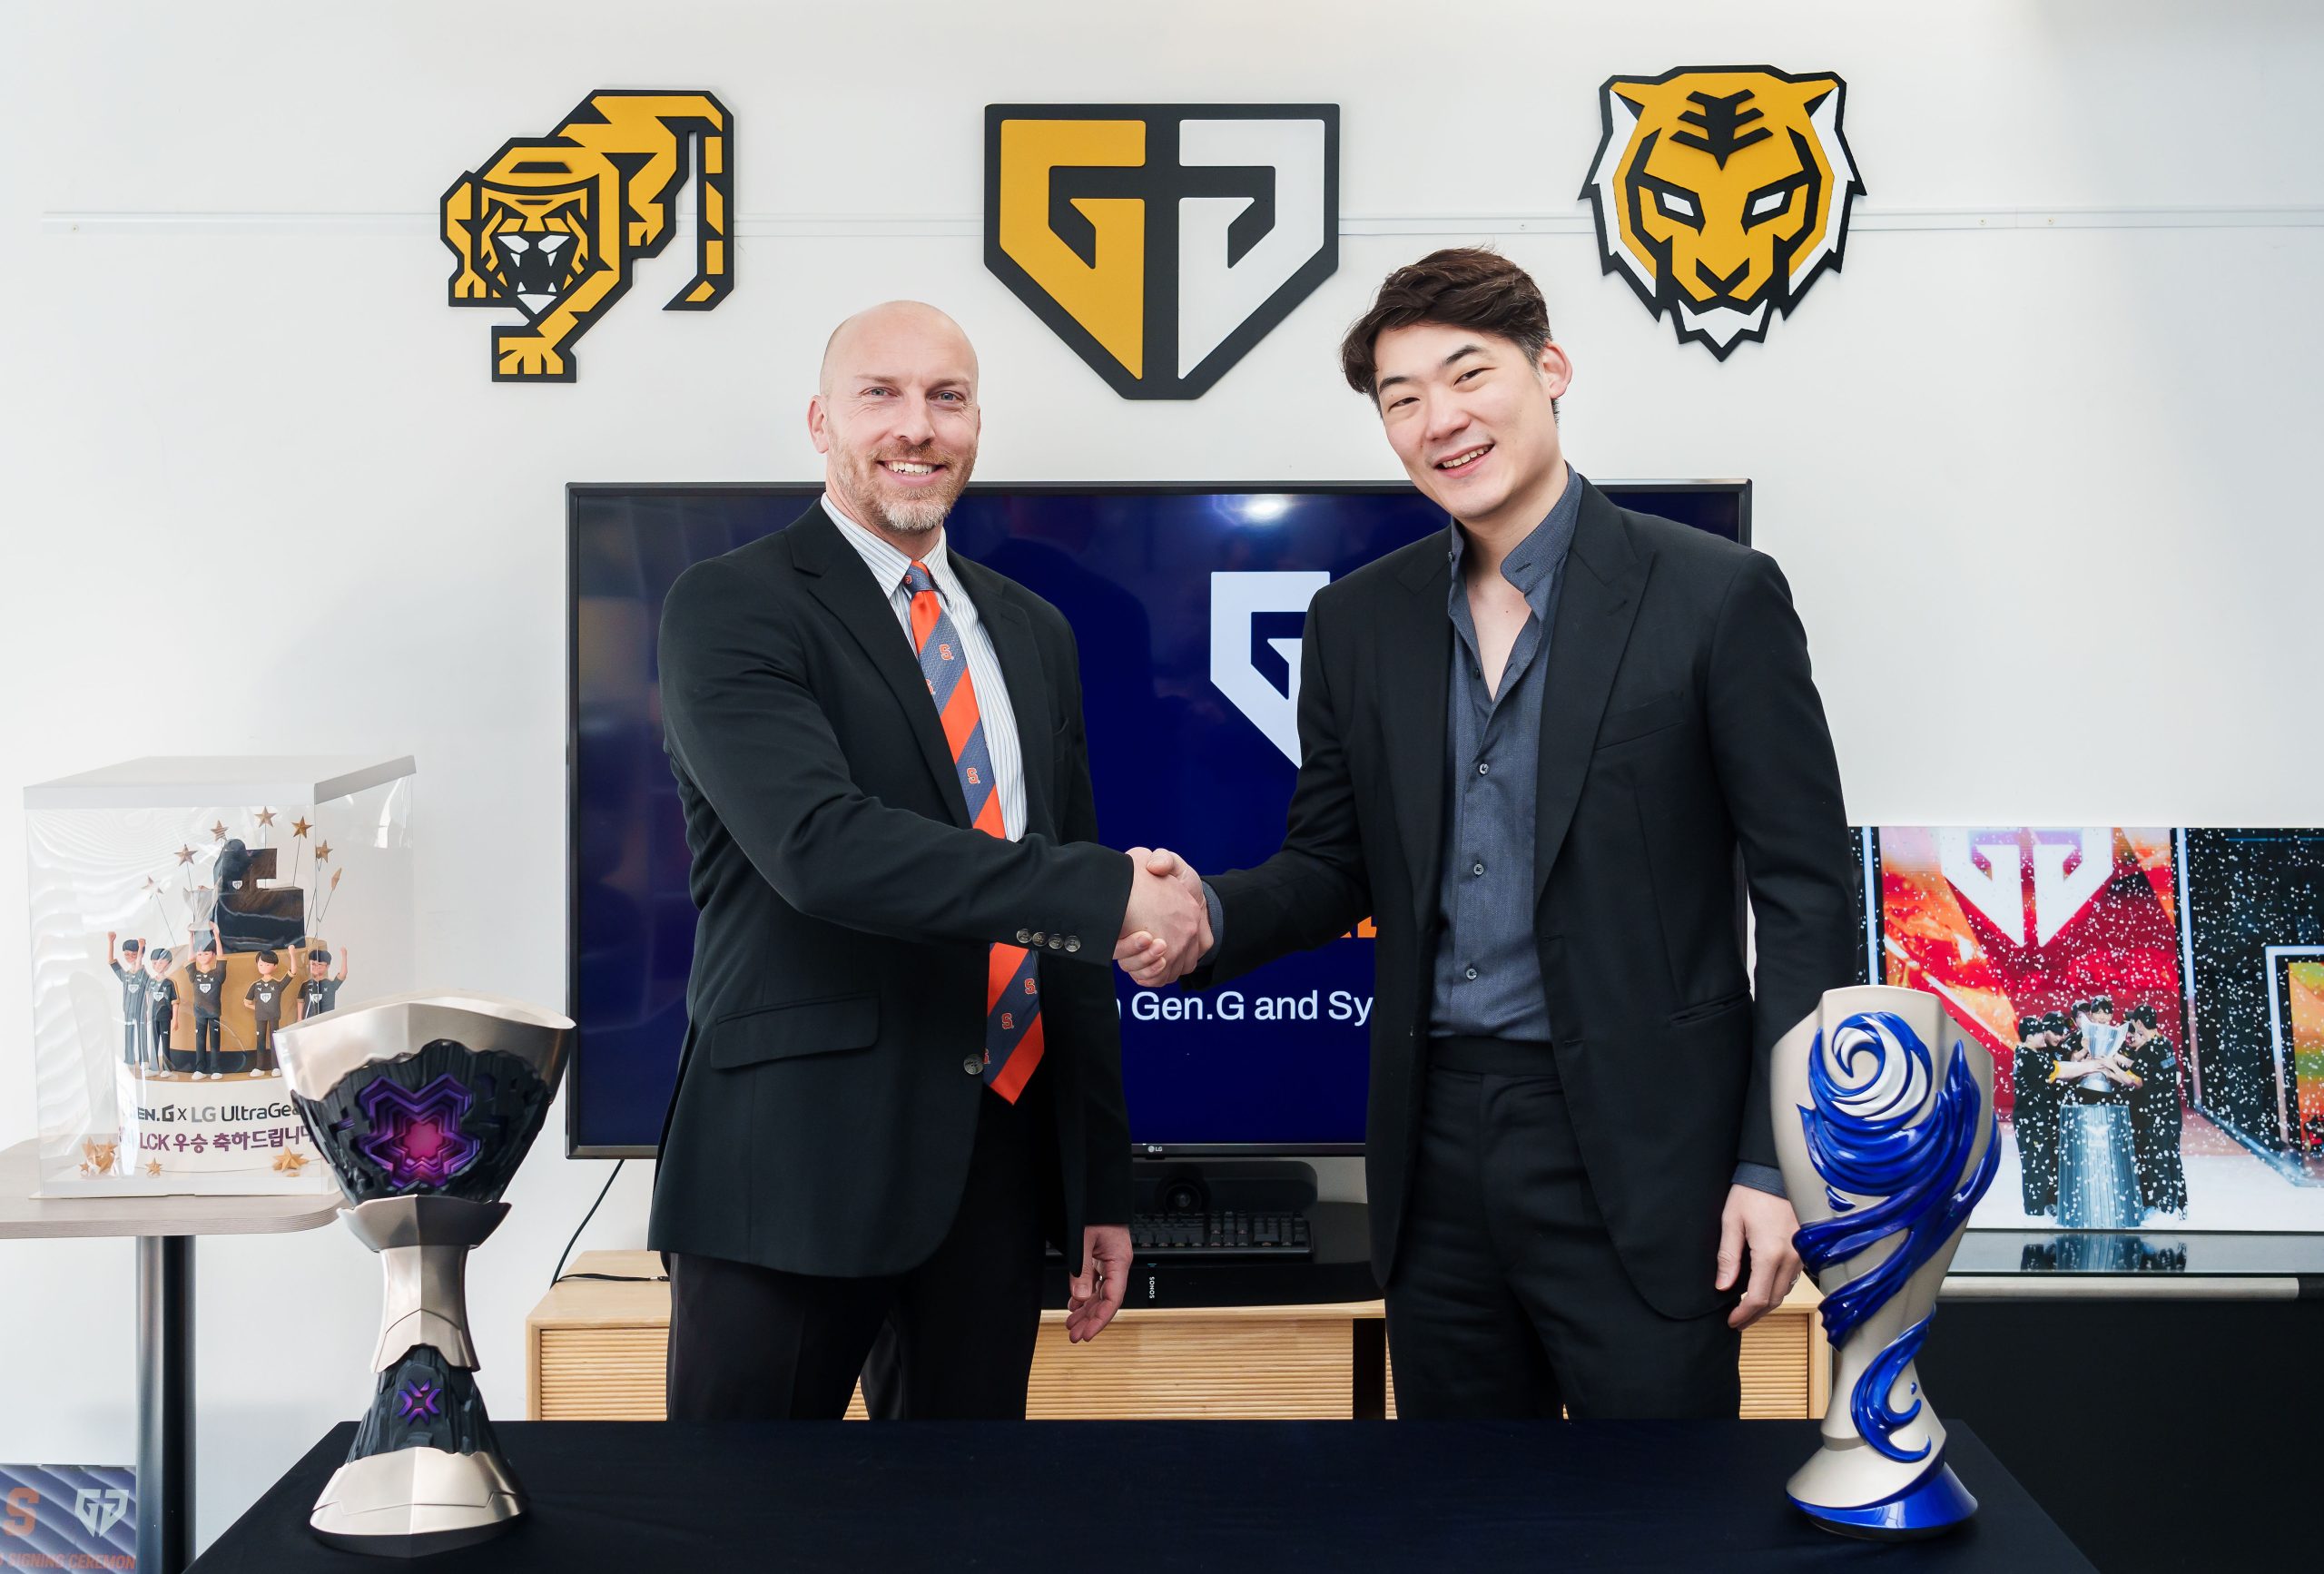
(68, 1517)
(552, 225)
(1162, 241)
(1722, 193)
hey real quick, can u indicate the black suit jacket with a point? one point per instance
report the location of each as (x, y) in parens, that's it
(825, 1110)
(1680, 724)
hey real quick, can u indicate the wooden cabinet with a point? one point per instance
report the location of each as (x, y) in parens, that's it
(595, 1351)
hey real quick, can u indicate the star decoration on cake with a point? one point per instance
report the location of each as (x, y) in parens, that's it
(149, 882)
(298, 828)
(266, 817)
(218, 832)
(152, 1167)
(322, 852)
(185, 855)
(290, 1162)
(416, 1137)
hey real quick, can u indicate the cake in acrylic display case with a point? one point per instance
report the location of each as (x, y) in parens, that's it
(184, 910)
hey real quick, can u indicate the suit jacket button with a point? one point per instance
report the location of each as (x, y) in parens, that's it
(1073, 942)
(1024, 937)
(973, 1065)
(1039, 938)
(1057, 942)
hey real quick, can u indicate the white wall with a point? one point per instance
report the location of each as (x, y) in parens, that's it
(2037, 462)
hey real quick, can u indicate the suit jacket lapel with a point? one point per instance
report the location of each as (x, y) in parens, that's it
(844, 586)
(1597, 603)
(1415, 642)
(1029, 687)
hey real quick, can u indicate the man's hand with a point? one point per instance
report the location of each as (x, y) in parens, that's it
(1154, 954)
(1763, 1223)
(1096, 1292)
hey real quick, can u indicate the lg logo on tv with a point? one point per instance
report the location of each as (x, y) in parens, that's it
(1245, 610)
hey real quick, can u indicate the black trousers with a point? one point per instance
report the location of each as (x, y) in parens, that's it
(133, 1043)
(205, 1042)
(1507, 1300)
(262, 1044)
(952, 1340)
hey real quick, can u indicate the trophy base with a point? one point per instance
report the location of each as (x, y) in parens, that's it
(416, 1501)
(419, 1544)
(1934, 1503)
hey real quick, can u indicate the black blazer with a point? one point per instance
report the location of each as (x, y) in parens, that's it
(825, 1103)
(1680, 724)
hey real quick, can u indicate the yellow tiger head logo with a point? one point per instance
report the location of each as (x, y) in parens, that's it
(1721, 193)
(551, 224)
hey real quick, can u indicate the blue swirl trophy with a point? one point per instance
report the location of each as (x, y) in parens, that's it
(1883, 1117)
(423, 1105)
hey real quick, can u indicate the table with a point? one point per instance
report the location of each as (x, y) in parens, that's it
(164, 1227)
(1277, 1497)
(595, 1350)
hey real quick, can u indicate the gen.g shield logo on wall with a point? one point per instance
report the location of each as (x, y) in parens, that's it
(1162, 241)
(552, 225)
(1722, 193)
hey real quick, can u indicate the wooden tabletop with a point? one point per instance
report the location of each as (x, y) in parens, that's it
(24, 1215)
(633, 1296)
(630, 1295)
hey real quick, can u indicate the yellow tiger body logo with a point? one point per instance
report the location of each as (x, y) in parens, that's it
(552, 225)
(1721, 193)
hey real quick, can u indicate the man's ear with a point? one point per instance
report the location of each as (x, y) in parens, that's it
(817, 428)
(1556, 369)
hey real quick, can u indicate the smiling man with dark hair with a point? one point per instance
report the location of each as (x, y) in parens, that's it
(1532, 748)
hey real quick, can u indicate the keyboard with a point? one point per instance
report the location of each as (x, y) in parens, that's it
(1219, 1236)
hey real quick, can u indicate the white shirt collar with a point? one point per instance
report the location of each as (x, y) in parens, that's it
(885, 560)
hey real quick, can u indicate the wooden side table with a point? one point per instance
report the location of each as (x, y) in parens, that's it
(595, 1350)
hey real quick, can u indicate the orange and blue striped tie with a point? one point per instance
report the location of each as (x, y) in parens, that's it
(1012, 996)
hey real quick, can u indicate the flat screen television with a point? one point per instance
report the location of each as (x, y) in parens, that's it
(1187, 602)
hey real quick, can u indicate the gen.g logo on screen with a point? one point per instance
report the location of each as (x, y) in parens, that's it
(552, 225)
(1162, 241)
(1722, 193)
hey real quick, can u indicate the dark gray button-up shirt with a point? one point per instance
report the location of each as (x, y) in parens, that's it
(1488, 981)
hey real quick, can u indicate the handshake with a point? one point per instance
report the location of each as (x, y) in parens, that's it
(1166, 929)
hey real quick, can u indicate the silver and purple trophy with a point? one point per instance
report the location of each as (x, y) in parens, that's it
(1884, 1119)
(423, 1104)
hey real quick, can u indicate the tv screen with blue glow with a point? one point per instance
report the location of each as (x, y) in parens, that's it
(1188, 604)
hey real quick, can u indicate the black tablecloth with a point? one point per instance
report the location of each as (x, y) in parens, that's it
(1451, 1497)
